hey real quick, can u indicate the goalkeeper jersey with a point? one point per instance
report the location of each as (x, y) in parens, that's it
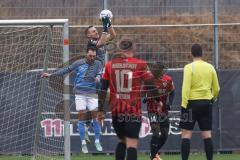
(199, 82)
(101, 51)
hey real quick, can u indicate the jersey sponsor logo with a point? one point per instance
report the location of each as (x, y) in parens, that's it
(164, 84)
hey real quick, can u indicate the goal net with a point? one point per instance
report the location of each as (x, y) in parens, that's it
(29, 126)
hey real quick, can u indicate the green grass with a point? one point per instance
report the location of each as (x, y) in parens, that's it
(164, 157)
(140, 157)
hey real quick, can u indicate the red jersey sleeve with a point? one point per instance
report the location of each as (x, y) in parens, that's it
(106, 71)
(170, 86)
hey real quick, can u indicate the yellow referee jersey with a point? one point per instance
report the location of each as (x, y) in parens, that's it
(199, 82)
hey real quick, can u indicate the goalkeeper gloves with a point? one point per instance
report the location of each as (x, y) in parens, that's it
(106, 21)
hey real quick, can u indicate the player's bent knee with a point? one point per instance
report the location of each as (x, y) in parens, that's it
(82, 115)
(164, 137)
(94, 114)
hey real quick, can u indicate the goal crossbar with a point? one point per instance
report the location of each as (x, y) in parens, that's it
(34, 21)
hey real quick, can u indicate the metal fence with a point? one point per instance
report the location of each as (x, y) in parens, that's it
(85, 12)
(137, 12)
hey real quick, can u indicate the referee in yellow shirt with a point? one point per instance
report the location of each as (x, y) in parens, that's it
(200, 88)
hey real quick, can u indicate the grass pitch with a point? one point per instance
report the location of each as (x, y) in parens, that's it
(198, 156)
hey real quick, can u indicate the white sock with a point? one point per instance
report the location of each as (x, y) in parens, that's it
(96, 140)
(84, 142)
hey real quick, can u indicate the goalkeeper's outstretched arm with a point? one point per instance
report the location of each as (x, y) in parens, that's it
(108, 33)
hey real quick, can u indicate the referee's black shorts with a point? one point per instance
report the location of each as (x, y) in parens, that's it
(197, 111)
(126, 126)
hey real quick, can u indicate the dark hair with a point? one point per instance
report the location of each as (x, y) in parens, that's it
(91, 48)
(91, 45)
(86, 30)
(196, 50)
(159, 65)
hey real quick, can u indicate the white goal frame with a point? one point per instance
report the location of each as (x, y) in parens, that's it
(50, 22)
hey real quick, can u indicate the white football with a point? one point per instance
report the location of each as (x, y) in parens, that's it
(105, 13)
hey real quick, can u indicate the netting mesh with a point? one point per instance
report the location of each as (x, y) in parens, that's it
(24, 98)
(172, 43)
(229, 47)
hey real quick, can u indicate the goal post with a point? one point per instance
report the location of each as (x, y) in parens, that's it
(28, 122)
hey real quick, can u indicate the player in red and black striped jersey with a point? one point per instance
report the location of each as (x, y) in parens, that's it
(158, 110)
(125, 76)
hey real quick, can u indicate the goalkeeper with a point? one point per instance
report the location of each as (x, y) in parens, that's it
(87, 77)
(158, 111)
(100, 41)
(108, 34)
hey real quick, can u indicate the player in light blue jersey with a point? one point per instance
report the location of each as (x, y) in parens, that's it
(100, 41)
(87, 75)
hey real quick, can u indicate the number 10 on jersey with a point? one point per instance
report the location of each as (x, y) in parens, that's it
(124, 80)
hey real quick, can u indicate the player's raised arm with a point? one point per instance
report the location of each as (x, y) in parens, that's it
(108, 33)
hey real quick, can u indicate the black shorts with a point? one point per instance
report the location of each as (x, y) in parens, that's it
(127, 126)
(160, 119)
(197, 110)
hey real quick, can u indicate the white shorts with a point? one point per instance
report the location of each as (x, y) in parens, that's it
(86, 102)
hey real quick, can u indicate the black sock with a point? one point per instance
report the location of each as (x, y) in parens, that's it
(154, 146)
(131, 153)
(185, 148)
(120, 151)
(208, 144)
